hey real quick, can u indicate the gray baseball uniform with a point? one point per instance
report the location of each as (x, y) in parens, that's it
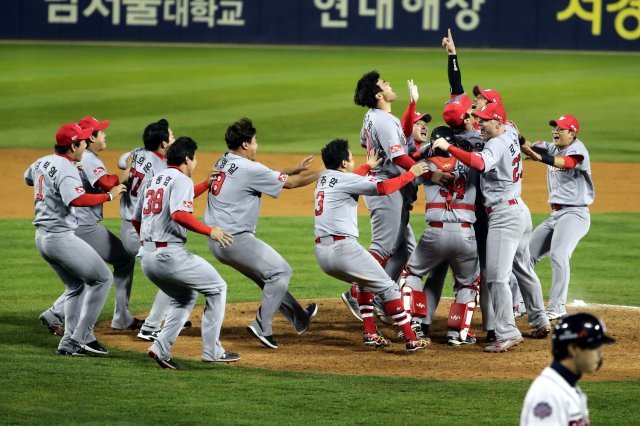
(389, 213)
(107, 245)
(508, 235)
(234, 205)
(570, 193)
(336, 229)
(176, 271)
(144, 165)
(450, 238)
(57, 183)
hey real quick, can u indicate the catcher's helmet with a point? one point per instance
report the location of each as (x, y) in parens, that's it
(584, 330)
(442, 132)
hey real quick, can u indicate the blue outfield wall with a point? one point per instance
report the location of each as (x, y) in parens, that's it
(535, 24)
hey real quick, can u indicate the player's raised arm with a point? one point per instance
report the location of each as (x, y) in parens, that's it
(453, 68)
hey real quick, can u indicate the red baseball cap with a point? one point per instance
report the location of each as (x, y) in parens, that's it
(566, 121)
(70, 133)
(489, 94)
(424, 117)
(492, 111)
(93, 123)
(456, 109)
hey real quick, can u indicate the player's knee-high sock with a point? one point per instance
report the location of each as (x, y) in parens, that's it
(400, 318)
(365, 303)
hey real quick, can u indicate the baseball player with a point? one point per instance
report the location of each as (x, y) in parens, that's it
(450, 238)
(510, 226)
(96, 181)
(146, 163)
(164, 213)
(336, 231)
(570, 194)
(58, 190)
(234, 203)
(458, 115)
(554, 397)
(383, 132)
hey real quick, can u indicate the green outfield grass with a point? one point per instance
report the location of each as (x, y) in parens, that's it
(300, 98)
(126, 387)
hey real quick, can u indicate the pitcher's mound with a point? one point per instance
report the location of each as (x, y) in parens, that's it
(334, 344)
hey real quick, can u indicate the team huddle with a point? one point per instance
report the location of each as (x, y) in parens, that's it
(477, 224)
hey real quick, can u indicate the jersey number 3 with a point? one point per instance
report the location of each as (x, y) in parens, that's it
(319, 203)
(154, 201)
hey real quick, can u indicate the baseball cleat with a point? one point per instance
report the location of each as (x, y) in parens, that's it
(552, 316)
(149, 336)
(417, 328)
(76, 350)
(415, 345)
(265, 340)
(53, 328)
(519, 310)
(375, 340)
(187, 325)
(95, 348)
(135, 324)
(541, 332)
(351, 304)
(164, 363)
(503, 345)
(312, 310)
(226, 357)
(456, 341)
(491, 336)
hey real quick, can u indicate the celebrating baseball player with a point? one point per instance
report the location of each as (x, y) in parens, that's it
(510, 226)
(570, 193)
(336, 230)
(96, 181)
(57, 191)
(450, 238)
(554, 397)
(146, 163)
(458, 115)
(234, 203)
(383, 132)
(165, 213)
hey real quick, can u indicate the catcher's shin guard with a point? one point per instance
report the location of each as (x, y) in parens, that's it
(414, 302)
(460, 315)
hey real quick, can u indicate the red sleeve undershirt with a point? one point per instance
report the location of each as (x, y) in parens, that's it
(407, 162)
(407, 119)
(470, 159)
(362, 170)
(136, 225)
(404, 161)
(89, 200)
(200, 189)
(571, 161)
(106, 182)
(390, 185)
(189, 221)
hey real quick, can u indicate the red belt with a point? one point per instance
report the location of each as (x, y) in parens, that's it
(441, 225)
(446, 206)
(158, 245)
(335, 238)
(556, 207)
(511, 202)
